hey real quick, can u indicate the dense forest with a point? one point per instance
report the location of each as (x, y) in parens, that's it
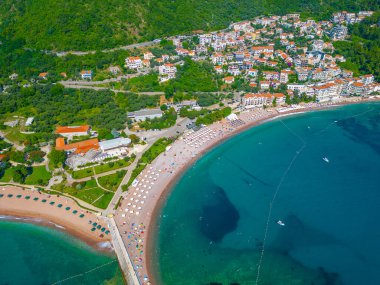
(29, 63)
(84, 25)
(362, 50)
(52, 105)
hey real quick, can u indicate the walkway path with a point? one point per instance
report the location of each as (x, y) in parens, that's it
(119, 191)
(15, 145)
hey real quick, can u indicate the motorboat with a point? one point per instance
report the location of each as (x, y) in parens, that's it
(326, 159)
(281, 223)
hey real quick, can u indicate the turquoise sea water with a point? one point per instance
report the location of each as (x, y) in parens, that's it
(35, 255)
(219, 225)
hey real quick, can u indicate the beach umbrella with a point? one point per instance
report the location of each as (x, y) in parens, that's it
(35, 199)
(75, 211)
(67, 208)
(81, 216)
(107, 232)
(95, 224)
(10, 195)
(1, 195)
(52, 203)
(99, 227)
(43, 201)
(59, 205)
(19, 196)
(93, 229)
(103, 229)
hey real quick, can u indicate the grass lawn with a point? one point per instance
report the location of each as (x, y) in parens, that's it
(112, 165)
(79, 174)
(90, 195)
(14, 135)
(39, 176)
(89, 192)
(7, 175)
(104, 200)
(112, 181)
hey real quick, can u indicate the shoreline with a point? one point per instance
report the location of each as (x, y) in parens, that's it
(151, 254)
(20, 210)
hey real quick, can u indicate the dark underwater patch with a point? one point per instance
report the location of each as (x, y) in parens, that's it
(362, 133)
(219, 216)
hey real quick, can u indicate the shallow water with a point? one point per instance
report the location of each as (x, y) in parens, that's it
(219, 224)
(31, 254)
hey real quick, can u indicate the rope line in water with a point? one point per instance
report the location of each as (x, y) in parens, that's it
(298, 152)
(84, 273)
(333, 123)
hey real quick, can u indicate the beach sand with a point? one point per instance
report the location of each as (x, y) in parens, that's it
(51, 215)
(140, 207)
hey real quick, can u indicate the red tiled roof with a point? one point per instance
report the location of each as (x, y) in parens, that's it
(72, 129)
(79, 147)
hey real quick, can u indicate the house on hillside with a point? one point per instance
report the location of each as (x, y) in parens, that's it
(167, 72)
(228, 79)
(133, 62)
(86, 74)
(114, 70)
(43, 75)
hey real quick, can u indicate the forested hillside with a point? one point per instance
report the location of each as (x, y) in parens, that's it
(97, 24)
(362, 51)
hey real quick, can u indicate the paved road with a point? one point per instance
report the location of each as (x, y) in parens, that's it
(127, 47)
(119, 191)
(180, 127)
(122, 254)
(117, 79)
(113, 90)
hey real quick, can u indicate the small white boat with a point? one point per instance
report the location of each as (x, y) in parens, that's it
(326, 159)
(281, 223)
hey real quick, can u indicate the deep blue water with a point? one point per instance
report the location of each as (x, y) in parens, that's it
(35, 255)
(219, 225)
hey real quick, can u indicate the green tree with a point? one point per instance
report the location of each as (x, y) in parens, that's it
(17, 156)
(20, 172)
(57, 158)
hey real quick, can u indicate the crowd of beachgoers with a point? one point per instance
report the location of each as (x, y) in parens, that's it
(141, 204)
(51, 210)
(139, 209)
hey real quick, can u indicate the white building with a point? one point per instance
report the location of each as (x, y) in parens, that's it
(86, 74)
(133, 62)
(115, 147)
(148, 55)
(29, 121)
(167, 72)
(327, 92)
(142, 115)
(251, 100)
(234, 70)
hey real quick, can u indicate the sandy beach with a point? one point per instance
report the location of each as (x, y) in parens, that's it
(44, 209)
(139, 211)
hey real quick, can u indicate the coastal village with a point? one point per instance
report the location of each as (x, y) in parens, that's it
(267, 66)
